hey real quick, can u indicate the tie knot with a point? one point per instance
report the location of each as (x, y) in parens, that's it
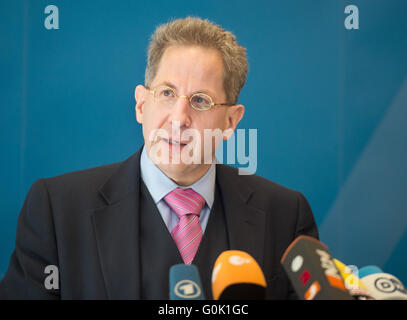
(185, 201)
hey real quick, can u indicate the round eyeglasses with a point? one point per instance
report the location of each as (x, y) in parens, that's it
(199, 101)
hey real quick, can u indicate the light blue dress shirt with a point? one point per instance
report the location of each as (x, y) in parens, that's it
(159, 185)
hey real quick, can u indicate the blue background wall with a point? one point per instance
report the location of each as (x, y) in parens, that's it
(329, 105)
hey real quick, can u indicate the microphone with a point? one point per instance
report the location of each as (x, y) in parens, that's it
(382, 286)
(352, 282)
(185, 283)
(237, 276)
(312, 272)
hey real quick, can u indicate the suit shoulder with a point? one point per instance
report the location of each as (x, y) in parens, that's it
(85, 179)
(259, 183)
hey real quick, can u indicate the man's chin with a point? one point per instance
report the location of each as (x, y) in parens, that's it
(178, 165)
(174, 156)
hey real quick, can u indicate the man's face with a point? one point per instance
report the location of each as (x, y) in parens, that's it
(187, 70)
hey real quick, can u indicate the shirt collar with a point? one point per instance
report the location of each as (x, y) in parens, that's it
(159, 185)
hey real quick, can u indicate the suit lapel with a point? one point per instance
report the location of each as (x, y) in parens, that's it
(245, 223)
(116, 228)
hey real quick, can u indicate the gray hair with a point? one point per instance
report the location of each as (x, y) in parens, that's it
(193, 31)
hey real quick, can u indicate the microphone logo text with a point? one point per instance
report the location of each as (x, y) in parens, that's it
(389, 285)
(187, 289)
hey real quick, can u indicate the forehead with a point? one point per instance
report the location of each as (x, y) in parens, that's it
(191, 68)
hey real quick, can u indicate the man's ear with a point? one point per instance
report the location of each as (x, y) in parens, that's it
(234, 115)
(140, 96)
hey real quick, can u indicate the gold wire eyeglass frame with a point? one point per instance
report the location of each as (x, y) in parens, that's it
(199, 94)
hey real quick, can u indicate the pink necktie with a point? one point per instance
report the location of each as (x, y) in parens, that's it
(187, 234)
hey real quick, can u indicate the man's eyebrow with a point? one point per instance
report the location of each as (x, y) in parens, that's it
(173, 86)
(169, 84)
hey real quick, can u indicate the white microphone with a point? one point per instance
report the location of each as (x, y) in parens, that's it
(382, 286)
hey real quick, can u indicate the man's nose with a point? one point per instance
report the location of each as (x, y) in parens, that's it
(181, 111)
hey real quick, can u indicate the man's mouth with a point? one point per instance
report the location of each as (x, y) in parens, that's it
(174, 142)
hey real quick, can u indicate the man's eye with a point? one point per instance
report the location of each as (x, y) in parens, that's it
(201, 100)
(167, 93)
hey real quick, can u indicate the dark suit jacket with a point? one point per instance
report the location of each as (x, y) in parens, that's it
(86, 224)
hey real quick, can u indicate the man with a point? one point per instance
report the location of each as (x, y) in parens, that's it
(114, 231)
